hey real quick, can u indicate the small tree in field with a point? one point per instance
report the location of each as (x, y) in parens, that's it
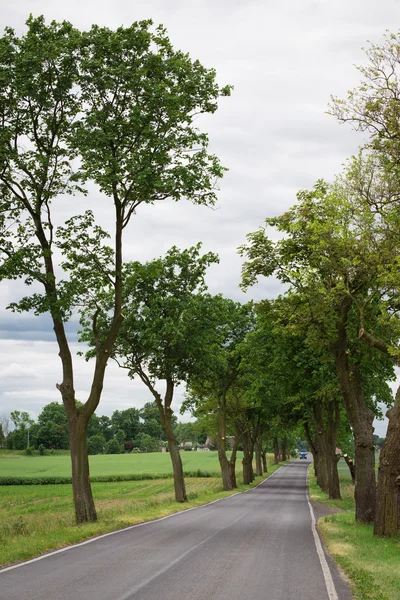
(115, 108)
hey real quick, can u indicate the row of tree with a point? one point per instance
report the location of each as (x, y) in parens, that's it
(116, 108)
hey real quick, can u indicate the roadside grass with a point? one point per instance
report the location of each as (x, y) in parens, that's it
(371, 563)
(110, 464)
(37, 519)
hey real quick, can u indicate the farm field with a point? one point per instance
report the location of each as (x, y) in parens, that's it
(110, 464)
(38, 518)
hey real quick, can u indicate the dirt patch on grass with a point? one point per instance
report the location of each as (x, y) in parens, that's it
(322, 510)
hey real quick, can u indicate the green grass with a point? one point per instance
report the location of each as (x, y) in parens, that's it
(36, 519)
(109, 464)
(372, 564)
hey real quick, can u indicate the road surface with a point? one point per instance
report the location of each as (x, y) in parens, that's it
(258, 545)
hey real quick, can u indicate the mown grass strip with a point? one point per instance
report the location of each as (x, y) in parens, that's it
(371, 563)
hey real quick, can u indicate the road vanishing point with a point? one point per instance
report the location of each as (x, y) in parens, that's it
(257, 545)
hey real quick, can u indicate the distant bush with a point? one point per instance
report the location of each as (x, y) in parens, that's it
(42, 450)
(29, 452)
(113, 447)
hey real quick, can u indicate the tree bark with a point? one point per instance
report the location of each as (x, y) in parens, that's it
(327, 420)
(360, 418)
(85, 511)
(387, 521)
(276, 451)
(284, 449)
(259, 464)
(179, 480)
(264, 460)
(226, 469)
(166, 413)
(246, 462)
(232, 461)
(352, 469)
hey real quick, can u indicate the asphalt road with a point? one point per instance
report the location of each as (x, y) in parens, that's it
(255, 546)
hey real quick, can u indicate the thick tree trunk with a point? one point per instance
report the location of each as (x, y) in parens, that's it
(387, 521)
(85, 511)
(284, 449)
(360, 418)
(259, 464)
(276, 451)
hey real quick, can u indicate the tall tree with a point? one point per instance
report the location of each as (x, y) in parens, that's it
(122, 103)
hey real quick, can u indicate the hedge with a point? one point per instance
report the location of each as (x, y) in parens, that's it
(100, 478)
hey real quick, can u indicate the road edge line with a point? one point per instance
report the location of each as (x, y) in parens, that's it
(329, 583)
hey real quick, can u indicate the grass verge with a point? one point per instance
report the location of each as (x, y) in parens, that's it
(37, 519)
(371, 563)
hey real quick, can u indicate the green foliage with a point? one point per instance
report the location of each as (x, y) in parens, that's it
(113, 447)
(96, 444)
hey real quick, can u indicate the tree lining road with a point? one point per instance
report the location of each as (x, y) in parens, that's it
(258, 545)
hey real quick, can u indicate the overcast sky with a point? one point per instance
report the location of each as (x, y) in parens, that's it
(284, 59)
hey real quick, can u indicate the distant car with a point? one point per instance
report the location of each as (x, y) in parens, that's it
(303, 454)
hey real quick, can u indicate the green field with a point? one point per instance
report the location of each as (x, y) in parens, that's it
(371, 563)
(109, 464)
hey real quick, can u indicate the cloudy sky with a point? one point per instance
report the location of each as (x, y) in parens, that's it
(284, 59)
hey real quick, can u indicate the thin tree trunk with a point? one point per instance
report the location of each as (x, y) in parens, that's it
(283, 448)
(387, 521)
(166, 413)
(226, 470)
(259, 464)
(313, 447)
(264, 460)
(352, 469)
(360, 418)
(246, 462)
(276, 451)
(232, 461)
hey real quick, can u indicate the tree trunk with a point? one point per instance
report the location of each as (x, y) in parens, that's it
(387, 521)
(179, 480)
(226, 469)
(259, 464)
(264, 461)
(232, 461)
(283, 448)
(312, 446)
(352, 469)
(166, 413)
(85, 511)
(276, 451)
(327, 420)
(360, 418)
(246, 462)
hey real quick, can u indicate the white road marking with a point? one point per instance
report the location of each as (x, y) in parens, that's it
(330, 586)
